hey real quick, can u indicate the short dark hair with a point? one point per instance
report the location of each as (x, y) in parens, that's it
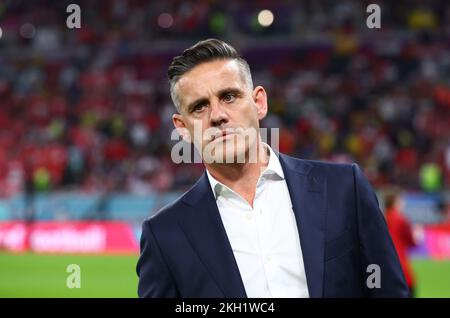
(202, 52)
(390, 197)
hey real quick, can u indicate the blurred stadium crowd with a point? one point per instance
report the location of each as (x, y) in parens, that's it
(89, 109)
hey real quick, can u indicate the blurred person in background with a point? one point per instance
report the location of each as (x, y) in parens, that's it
(443, 208)
(402, 234)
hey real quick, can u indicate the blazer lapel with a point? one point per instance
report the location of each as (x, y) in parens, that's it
(308, 196)
(205, 231)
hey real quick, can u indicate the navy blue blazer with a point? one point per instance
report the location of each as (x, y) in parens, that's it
(185, 251)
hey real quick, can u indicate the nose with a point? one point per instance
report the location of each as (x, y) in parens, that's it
(218, 115)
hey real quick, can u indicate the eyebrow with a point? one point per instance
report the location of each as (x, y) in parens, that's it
(221, 93)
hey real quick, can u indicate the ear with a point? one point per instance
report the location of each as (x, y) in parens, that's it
(260, 99)
(178, 122)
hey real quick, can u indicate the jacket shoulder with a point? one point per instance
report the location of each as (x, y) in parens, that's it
(319, 167)
(332, 167)
(170, 213)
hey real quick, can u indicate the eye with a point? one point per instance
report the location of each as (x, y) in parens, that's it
(229, 97)
(198, 108)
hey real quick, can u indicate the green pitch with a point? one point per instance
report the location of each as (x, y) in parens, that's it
(433, 278)
(30, 275)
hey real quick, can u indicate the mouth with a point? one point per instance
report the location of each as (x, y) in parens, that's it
(222, 135)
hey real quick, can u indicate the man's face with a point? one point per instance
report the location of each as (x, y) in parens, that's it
(218, 109)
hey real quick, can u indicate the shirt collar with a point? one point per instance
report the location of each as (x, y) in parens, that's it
(273, 170)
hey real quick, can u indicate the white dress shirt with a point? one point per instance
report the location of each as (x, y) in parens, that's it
(264, 239)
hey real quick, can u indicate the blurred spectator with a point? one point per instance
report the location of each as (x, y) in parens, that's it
(401, 233)
(443, 208)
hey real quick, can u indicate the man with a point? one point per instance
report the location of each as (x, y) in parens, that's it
(401, 233)
(259, 226)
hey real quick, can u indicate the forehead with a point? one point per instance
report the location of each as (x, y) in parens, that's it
(209, 77)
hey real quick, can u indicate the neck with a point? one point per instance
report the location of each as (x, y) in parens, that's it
(241, 177)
